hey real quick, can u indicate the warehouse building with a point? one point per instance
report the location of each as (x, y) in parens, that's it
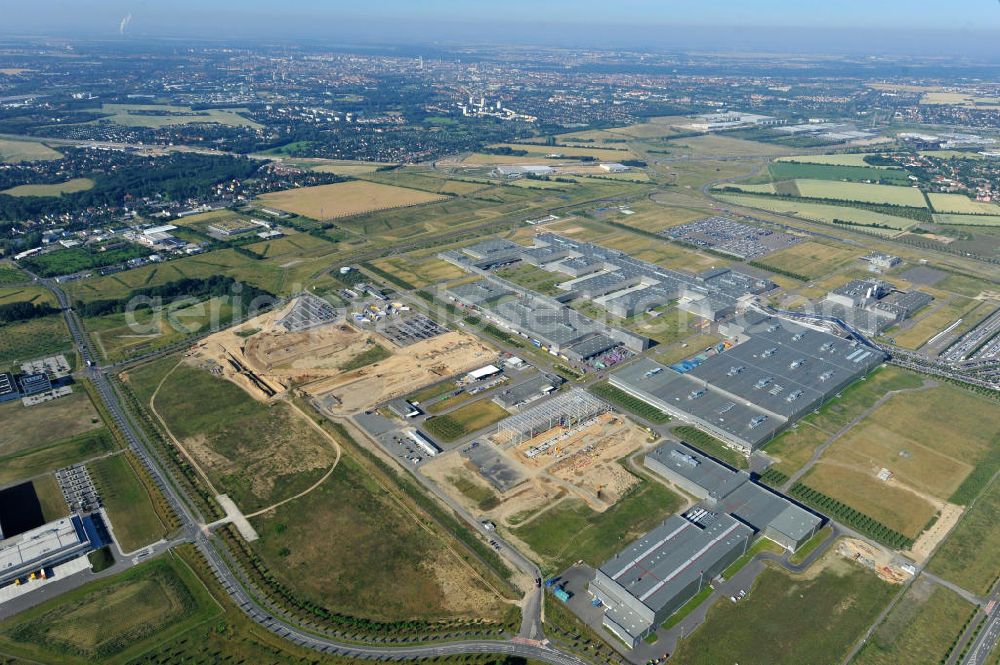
(748, 394)
(654, 576)
(726, 490)
(871, 305)
(44, 546)
(657, 574)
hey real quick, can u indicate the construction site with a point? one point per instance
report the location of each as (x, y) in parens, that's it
(345, 369)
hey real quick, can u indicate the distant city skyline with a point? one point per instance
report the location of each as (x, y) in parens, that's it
(961, 26)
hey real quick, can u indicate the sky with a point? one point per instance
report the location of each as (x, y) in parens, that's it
(880, 25)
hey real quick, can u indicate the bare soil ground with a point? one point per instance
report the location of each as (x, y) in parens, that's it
(408, 370)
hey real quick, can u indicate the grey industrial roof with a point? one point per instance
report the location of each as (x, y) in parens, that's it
(477, 293)
(660, 564)
(528, 390)
(593, 346)
(730, 491)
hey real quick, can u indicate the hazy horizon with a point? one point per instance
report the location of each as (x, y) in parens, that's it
(965, 28)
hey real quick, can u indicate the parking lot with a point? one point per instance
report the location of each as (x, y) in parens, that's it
(412, 329)
(725, 235)
(78, 489)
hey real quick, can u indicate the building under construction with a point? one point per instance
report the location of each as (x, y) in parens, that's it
(566, 411)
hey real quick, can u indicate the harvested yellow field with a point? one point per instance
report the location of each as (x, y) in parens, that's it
(343, 199)
(962, 204)
(603, 154)
(861, 192)
(348, 167)
(853, 159)
(12, 151)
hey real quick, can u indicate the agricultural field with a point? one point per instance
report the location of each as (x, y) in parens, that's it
(57, 189)
(28, 340)
(707, 145)
(960, 99)
(154, 116)
(30, 427)
(372, 557)
(256, 453)
(465, 420)
(919, 629)
(786, 170)
(133, 518)
(427, 181)
(538, 152)
(13, 151)
(860, 192)
(962, 205)
(868, 221)
(812, 259)
(968, 220)
(847, 159)
(344, 199)
(970, 556)
(571, 530)
(151, 603)
(767, 626)
(346, 167)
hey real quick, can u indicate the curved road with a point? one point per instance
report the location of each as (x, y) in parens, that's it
(193, 530)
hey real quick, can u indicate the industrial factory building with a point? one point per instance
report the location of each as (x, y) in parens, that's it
(657, 574)
(654, 576)
(748, 394)
(45, 546)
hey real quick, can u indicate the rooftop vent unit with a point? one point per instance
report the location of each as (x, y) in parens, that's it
(683, 458)
(797, 363)
(767, 353)
(794, 395)
(695, 394)
(735, 369)
(797, 336)
(763, 383)
(825, 375)
(756, 422)
(653, 372)
(826, 346)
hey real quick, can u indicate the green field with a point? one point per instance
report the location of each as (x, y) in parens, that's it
(43, 459)
(767, 627)
(970, 557)
(33, 294)
(13, 151)
(571, 530)
(114, 619)
(968, 220)
(11, 274)
(77, 259)
(787, 170)
(28, 340)
(370, 558)
(129, 507)
(962, 204)
(55, 189)
(633, 405)
(812, 259)
(919, 629)
(793, 448)
(50, 497)
(29, 427)
(465, 420)
(256, 453)
(863, 193)
(864, 220)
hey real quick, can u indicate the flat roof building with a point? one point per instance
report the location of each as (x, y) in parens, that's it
(655, 575)
(748, 394)
(44, 546)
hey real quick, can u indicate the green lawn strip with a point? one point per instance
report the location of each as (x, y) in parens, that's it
(810, 545)
(709, 445)
(133, 518)
(687, 608)
(29, 463)
(633, 405)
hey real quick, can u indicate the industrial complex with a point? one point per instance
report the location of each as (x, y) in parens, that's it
(658, 573)
(750, 393)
